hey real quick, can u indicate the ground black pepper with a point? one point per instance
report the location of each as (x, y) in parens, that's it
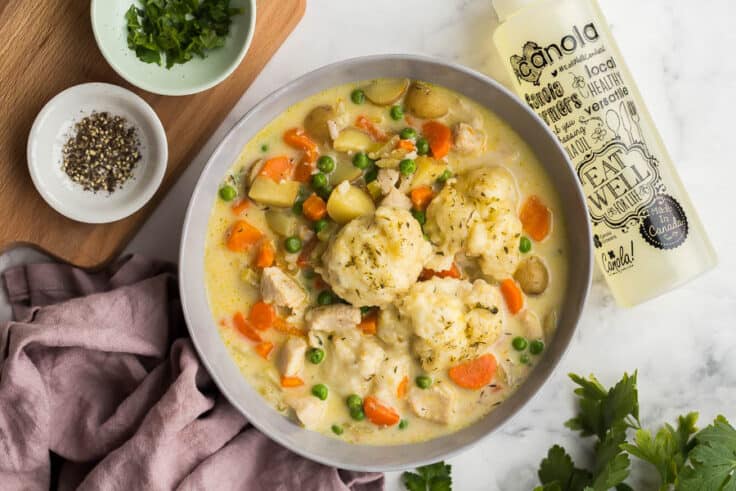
(102, 153)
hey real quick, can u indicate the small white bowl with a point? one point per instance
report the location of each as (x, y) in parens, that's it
(53, 127)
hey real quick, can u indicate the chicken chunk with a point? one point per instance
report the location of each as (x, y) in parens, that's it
(531, 324)
(291, 357)
(333, 318)
(309, 410)
(279, 289)
(353, 362)
(469, 140)
(396, 199)
(387, 179)
(435, 404)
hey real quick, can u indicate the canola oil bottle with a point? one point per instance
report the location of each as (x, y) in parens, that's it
(566, 66)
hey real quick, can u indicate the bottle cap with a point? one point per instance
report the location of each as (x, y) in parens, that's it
(506, 8)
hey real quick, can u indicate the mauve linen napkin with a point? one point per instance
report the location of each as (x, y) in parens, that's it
(101, 389)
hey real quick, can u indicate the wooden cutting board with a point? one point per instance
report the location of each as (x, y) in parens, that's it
(48, 46)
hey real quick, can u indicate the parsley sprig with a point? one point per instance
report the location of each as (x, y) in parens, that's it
(685, 459)
(178, 29)
(434, 477)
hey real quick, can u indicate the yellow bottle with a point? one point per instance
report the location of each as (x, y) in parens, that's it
(566, 66)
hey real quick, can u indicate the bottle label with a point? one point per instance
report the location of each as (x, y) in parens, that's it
(579, 89)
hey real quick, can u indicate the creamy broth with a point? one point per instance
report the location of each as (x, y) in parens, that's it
(233, 283)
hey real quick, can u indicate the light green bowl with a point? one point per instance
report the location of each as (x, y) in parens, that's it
(111, 32)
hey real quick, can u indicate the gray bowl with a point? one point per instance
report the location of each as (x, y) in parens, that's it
(204, 332)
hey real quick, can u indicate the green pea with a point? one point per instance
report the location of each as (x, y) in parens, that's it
(370, 175)
(326, 164)
(319, 180)
(298, 207)
(365, 310)
(357, 413)
(293, 244)
(444, 176)
(320, 225)
(354, 401)
(422, 146)
(423, 382)
(426, 237)
(396, 113)
(228, 193)
(325, 298)
(524, 359)
(525, 245)
(407, 167)
(408, 134)
(357, 96)
(420, 216)
(536, 347)
(316, 355)
(403, 424)
(264, 148)
(324, 192)
(320, 391)
(361, 161)
(337, 429)
(519, 343)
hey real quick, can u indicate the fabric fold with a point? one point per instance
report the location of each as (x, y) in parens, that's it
(97, 371)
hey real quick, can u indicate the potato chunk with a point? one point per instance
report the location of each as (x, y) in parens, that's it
(348, 202)
(425, 101)
(315, 124)
(385, 91)
(269, 192)
(352, 140)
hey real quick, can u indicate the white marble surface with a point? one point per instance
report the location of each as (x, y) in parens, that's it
(682, 343)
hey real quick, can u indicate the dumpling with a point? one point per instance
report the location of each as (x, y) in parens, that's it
(453, 320)
(375, 259)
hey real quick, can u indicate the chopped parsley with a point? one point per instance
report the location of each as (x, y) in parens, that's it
(174, 31)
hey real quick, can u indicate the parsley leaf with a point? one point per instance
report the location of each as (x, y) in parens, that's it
(668, 450)
(557, 472)
(713, 460)
(177, 30)
(433, 477)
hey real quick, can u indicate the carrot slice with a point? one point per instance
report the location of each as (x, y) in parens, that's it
(379, 414)
(453, 272)
(439, 137)
(266, 255)
(262, 315)
(242, 235)
(296, 138)
(290, 382)
(264, 349)
(282, 326)
(245, 329)
(369, 323)
(407, 145)
(403, 388)
(241, 206)
(366, 124)
(421, 196)
(277, 168)
(536, 218)
(474, 374)
(513, 296)
(303, 172)
(314, 208)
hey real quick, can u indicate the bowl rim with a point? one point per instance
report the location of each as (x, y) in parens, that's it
(148, 188)
(152, 88)
(522, 396)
